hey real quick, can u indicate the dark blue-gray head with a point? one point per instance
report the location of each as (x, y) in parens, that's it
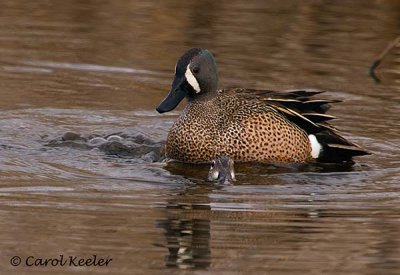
(222, 170)
(196, 75)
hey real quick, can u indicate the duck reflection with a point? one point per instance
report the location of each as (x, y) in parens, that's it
(188, 243)
(187, 229)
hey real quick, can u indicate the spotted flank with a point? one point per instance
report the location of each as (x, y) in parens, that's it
(247, 124)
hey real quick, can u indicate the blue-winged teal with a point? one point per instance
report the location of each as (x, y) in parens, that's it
(222, 170)
(247, 124)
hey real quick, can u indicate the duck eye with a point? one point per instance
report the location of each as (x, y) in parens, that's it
(213, 164)
(196, 70)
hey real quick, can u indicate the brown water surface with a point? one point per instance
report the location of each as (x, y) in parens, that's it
(101, 67)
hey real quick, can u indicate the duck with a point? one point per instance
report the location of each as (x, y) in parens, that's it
(248, 125)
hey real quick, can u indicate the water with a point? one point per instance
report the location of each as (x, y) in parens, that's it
(99, 68)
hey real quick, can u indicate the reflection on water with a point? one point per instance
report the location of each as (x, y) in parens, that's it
(81, 145)
(188, 243)
(187, 234)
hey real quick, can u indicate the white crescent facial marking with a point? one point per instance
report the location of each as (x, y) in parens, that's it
(316, 147)
(191, 79)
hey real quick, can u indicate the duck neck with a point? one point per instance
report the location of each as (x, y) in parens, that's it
(203, 96)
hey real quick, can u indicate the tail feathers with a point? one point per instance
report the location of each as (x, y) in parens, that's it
(335, 148)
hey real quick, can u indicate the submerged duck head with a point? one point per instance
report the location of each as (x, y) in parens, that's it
(222, 170)
(196, 76)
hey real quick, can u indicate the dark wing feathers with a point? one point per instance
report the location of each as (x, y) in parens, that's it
(319, 106)
(317, 117)
(296, 105)
(296, 117)
(304, 93)
(309, 115)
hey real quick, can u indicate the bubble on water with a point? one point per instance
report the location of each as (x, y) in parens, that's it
(114, 138)
(96, 141)
(68, 136)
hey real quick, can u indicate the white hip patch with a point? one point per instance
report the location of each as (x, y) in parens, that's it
(316, 147)
(191, 79)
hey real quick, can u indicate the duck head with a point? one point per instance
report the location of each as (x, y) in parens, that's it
(196, 76)
(222, 170)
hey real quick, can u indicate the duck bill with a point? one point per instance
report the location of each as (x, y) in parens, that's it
(173, 98)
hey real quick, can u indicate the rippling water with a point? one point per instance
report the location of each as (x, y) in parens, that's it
(100, 67)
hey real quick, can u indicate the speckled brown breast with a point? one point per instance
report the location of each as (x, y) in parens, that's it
(244, 129)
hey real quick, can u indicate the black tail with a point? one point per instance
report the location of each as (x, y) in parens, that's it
(335, 148)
